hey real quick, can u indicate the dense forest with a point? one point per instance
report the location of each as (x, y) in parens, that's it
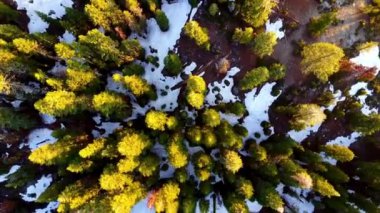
(189, 106)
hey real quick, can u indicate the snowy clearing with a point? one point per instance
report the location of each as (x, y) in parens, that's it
(257, 107)
(54, 9)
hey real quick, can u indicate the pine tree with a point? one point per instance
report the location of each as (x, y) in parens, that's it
(365, 124)
(228, 137)
(26, 46)
(111, 104)
(177, 151)
(269, 197)
(81, 80)
(323, 187)
(7, 13)
(133, 144)
(197, 33)
(124, 201)
(213, 9)
(94, 148)
(128, 164)
(162, 20)
(195, 90)
(203, 165)
(243, 36)
(98, 48)
(173, 64)
(57, 153)
(321, 59)
(112, 180)
(256, 13)
(77, 194)
(318, 25)
(10, 119)
(8, 32)
(232, 161)
(156, 120)
(235, 204)
(167, 198)
(244, 188)
(137, 85)
(254, 78)
(369, 173)
(105, 13)
(59, 103)
(211, 117)
(340, 153)
(264, 43)
(149, 165)
(307, 115)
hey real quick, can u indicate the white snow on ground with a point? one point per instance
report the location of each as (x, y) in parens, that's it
(177, 13)
(16, 103)
(53, 8)
(224, 88)
(108, 127)
(38, 137)
(338, 96)
(254, 206)
(276, 28)
(345, 140)
(231, 118)
(67, 37)
(12, 170)
(257, 107)
(49, 208)
(299, 204)
(47, 119)
(363, 85)
(299, 136)
(142, 205)
(34, 191)
(58, 69)
(368, 57)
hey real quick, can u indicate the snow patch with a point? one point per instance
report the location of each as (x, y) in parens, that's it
(54, 9)
(142, 205)
(368, 57)
(34, 191)
(108, 127)
(299, 136)
(39, 137)
(354, 90)
(223, 88)
(258, 107)
(16, 103)
(47, 119)
(67, 37)
(177, 13)
(49, 208)
(12, 170)
(345, 140)
(275, 27)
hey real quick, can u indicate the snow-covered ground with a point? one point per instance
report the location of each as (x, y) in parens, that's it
(38, 137)
(369, 58)
(34, 191)
(276, 28)
(223, 88)
(258, 107)
(52, 8)
(12, 170)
